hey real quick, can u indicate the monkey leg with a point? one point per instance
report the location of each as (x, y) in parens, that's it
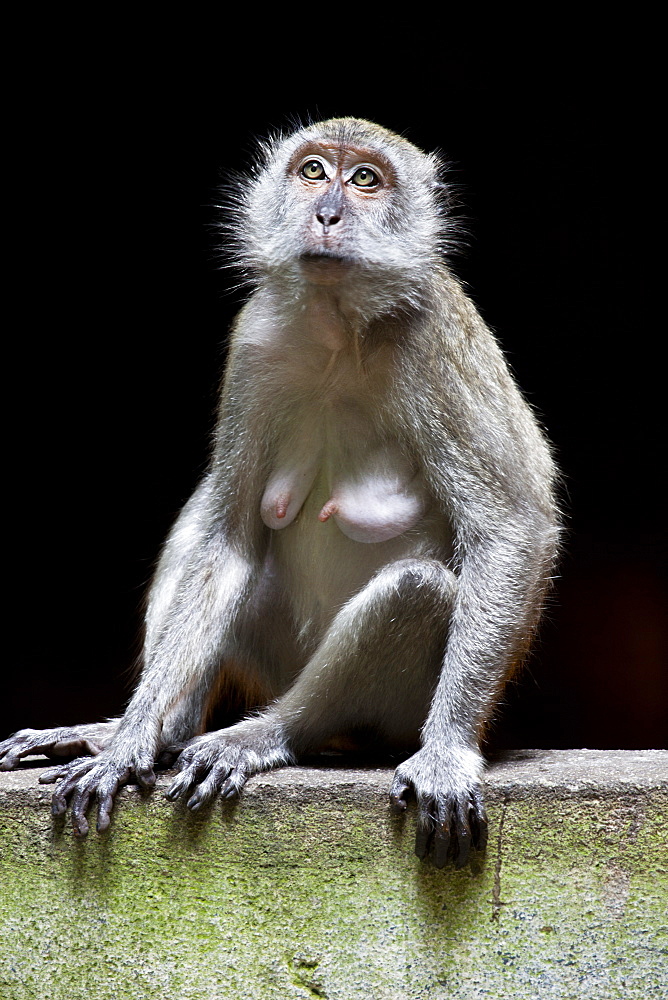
(377, 666)
(63, 741)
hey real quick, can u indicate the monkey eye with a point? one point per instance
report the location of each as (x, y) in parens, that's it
(313, 170)
(364, 177)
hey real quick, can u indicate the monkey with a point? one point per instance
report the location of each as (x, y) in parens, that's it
(370, 547)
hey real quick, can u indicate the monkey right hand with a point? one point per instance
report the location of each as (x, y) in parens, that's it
(66, 741)
(102, 777)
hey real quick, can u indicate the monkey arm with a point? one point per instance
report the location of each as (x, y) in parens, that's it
(184, 715)
(490, 472)
(181, 667)
(493, 483)
(205, 576)
(490, 625)
(493, 619)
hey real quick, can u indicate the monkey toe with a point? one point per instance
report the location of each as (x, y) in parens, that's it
(202, 795)
(168, 756)
(20, 745)
(399, 796)
(219, 778)
(478, 821)
(145, 778)
(423, 839)
(231, 789)
(179, 786)
(104, 813)
(195, 771)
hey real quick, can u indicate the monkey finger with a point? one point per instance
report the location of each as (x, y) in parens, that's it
(105, 798)
(58, 804)
(80, 804)
(235, 782)
(425, 828)
(69, 777)
(106, 794)
(478, 825)
(483, 832)
(104, 809)
(442, 845)
(423, 839)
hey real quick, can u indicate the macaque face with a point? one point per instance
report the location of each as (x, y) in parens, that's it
(341, 190)
(331, 203)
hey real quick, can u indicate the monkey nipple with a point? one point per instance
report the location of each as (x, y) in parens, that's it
(281, 508)
(331, 507)
(278, 509)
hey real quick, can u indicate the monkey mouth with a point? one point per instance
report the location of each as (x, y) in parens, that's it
(324, 256)
(325, 267)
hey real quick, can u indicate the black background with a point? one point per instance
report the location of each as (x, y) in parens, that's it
(115, 352)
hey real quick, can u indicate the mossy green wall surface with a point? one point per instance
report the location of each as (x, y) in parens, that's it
(309, 888)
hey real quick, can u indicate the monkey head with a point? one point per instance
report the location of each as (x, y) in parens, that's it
(343, 202)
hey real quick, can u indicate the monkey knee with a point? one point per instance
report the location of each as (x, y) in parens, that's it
(424, 579)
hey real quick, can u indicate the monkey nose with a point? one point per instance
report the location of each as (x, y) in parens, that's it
(327, 218)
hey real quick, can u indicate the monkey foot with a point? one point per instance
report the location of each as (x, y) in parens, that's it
(221, 763)
(451, 814)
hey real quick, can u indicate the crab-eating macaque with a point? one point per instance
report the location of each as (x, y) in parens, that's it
(370, 547)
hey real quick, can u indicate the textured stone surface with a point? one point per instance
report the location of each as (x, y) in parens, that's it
(309, 888)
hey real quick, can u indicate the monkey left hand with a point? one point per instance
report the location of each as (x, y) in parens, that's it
(451, 814)
(101, 777)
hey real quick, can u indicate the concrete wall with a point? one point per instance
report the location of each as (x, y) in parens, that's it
(309, 888)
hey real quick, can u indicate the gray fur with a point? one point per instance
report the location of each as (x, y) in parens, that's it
(371, 545)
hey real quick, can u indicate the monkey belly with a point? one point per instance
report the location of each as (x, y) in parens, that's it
(318, 567)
